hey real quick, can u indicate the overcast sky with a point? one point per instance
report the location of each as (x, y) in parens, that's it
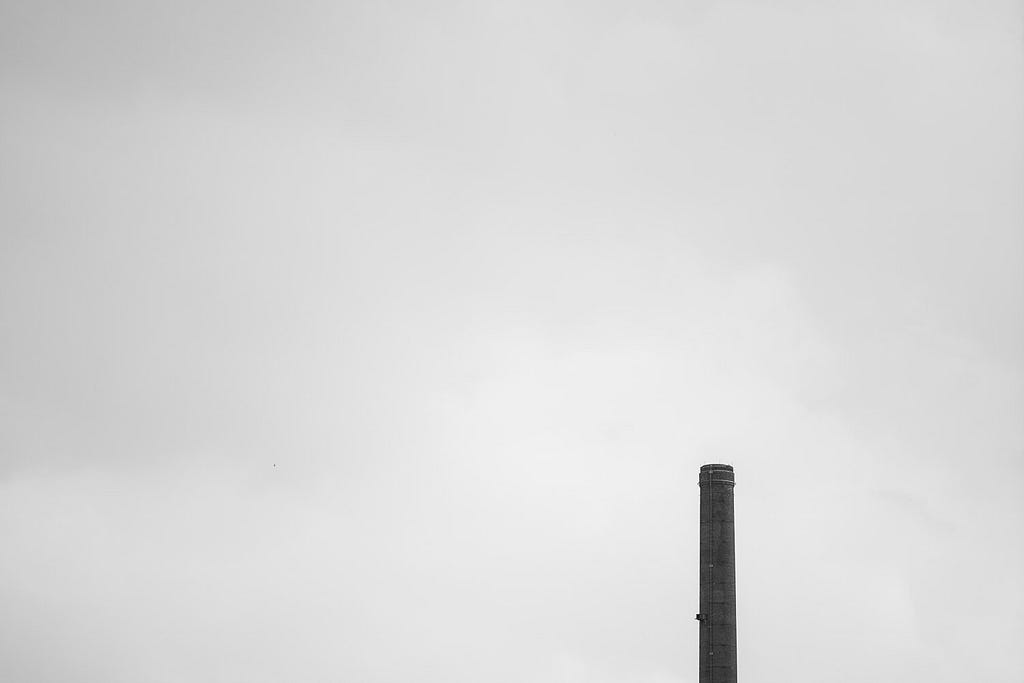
(382, 342)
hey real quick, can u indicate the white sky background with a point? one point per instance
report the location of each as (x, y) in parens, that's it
(488, 282)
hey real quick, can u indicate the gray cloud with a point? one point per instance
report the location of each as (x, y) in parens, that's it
(369, 342)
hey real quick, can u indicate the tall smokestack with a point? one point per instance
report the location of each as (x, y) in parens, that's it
(717, 575)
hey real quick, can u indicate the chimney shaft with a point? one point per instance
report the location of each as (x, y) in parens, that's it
(717, 616)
